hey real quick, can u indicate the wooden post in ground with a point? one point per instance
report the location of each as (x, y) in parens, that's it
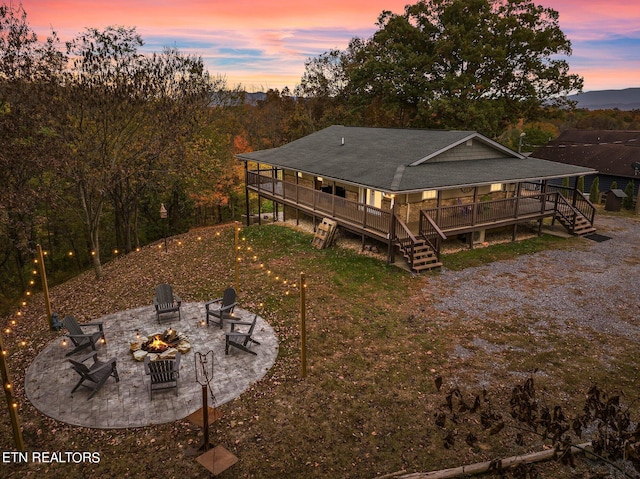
(205, 417)
(12, 404)
(45, 287)
(303, 332)
(236, 255)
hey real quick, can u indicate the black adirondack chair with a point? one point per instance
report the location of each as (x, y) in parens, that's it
(165, 301)
(80, 338)
(95, 375)
(164, 373)
(220, 309)
(240, 339)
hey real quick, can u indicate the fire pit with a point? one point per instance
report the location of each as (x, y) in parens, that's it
(159, 343)
(160, 346)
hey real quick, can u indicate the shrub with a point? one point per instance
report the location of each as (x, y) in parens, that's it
(594, 191)
(628, 201)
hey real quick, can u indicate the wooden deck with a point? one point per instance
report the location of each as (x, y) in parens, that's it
(435, 223)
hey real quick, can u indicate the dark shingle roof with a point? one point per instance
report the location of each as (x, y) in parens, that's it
(382, 159)
(611, 152)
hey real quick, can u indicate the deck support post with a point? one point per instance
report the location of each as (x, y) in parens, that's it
(392, 233)
(246, 191)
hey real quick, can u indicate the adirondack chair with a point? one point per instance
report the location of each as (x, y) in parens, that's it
(163, 373)
(79, 337)
(96, 374)
(221, 308)
(165, 301)
(464, 209)
(239, 339)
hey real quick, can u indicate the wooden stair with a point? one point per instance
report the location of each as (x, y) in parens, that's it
(582, 225)
(424, 258)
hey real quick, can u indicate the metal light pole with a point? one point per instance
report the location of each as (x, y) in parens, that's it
(522, 135)
(163, 217)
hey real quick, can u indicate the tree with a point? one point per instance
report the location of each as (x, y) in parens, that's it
(26, 65)
(580, 184)
(594, 191)
(125, 120)
(478, 64)
(628, 201)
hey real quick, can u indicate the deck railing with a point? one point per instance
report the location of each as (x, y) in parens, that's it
(469, 215)
(531, 202)
(317, 202)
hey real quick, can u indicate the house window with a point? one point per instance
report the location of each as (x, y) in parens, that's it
(429, 195)
(496, 187)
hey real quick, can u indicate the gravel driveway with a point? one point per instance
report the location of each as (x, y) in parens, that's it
(596, 286)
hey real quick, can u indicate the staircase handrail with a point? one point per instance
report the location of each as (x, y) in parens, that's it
(585, 206)
(580, 203)
(405, 237)
(431, 232)
(561, 200)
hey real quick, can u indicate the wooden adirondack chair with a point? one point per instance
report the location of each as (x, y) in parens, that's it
(80, 338)
(164, 373)
(96, 374)
(165, 301)
(239, 339)
(221, 308)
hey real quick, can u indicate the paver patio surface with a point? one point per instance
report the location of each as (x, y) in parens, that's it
(125, 404)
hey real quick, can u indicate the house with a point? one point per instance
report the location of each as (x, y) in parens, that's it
(411, 189)
(615, 154)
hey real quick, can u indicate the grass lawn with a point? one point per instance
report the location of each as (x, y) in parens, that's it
(378, 350)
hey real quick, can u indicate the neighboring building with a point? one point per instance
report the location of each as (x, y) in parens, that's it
(615, 154)
(414, 188)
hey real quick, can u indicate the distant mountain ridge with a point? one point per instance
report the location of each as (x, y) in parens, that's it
(627, 99)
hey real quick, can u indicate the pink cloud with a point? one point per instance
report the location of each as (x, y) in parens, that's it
(283, 34)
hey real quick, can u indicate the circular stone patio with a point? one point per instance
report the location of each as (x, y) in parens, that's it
(50, 379)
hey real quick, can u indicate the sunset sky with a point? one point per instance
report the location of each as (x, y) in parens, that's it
(263, 44)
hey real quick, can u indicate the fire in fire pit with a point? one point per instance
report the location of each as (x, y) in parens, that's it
(159, 343)
(160, 346)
